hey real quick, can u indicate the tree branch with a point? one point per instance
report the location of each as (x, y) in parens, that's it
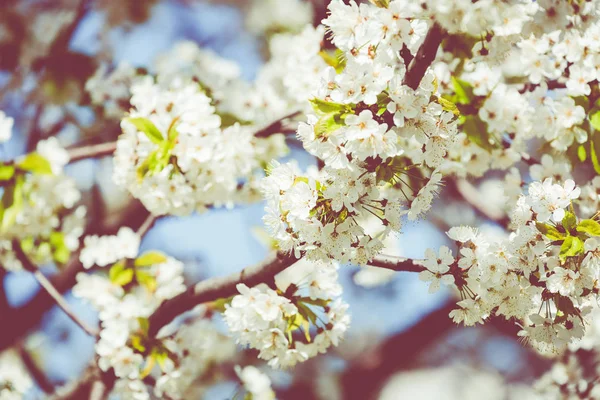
(36, 373)
(219, 287)
(91, 151)
(264, 272)
(425, 56)
(396, 263)
(50, 289)
(276, 126)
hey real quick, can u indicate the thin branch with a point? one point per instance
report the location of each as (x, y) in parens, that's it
(34, 370)
(98, 390)
(91, 151)
(49, 288)
(219, 287)
(276, 126)
(146, 225)
(425, 56)
(396, 263)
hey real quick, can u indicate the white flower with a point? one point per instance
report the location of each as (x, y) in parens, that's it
(255, 382)
(437, 268)
(6, 125)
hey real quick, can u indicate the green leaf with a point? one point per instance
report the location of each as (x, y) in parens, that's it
(569, 221)
(229, 119)
(219, 304)
(323, 107)
(35, 163)
(447, 105)
(594, 156)
(571, 247)
(294, 322)
(337, 60)
(327, 124)
(12, 203)
(144, 324)
(137, 342)
(595, 120)
(589, 226)
(147, 280)
(477, 132)
(463, 90)
(581, 153)
(150, 258)
(120, 275)
(60, 251)
(6, 172)
(147, 127)
(549, 231)
(315, 302)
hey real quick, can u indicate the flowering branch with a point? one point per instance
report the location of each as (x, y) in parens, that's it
(219, 287)
(264, 272)
(50, 289)
(25, 317)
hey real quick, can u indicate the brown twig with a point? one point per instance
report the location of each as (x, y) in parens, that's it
(50, 289)
(276, 126)
(396, 263)
(217, 288)
(91, 151)
(34, 370)
(146, 225)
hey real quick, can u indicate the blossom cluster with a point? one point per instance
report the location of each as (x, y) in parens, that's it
(256, 383)
(323, 216)
(125, 297)
(15, 381)
(176, 156)
(39, 207)
(544, 274)
(299, 320)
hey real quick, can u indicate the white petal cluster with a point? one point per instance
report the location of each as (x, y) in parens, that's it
(198, 347)
(269, 16)
(6, 126)
(195, 163)
(285, 326)
(319, 216)
(105, 250)
(544, 274)
(15, 381)
(256, 383)
(48, 211)
(123, 307)
(109, 89)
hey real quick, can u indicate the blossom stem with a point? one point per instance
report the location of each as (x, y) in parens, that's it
(50, 289)
(146, 225)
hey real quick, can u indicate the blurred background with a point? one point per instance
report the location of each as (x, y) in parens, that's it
(401, 345)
